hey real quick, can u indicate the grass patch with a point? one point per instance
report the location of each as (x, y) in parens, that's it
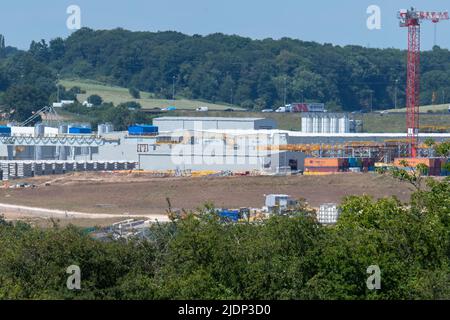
(119, 95)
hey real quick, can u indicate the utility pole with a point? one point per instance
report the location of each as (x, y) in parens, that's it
(57, 87)
(285, 92)
(371, 101)
(173, 87)
(395, 101)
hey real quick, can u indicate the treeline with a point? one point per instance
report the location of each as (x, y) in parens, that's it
(26, 84)
(251, 73)
(120, 116)
(254, 74)
(285, 257)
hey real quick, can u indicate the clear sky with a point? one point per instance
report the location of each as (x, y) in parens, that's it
(333, 21)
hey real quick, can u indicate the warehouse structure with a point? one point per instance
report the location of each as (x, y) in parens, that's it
(168, 124)
(221, 144)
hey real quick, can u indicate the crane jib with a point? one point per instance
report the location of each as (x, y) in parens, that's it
(433, 15)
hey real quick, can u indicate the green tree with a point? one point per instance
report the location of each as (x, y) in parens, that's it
(134, 93)
(95, 99)
(2, 42)
(23, 100)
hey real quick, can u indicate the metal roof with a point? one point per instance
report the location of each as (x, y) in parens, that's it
(207, 119)
(318, 135)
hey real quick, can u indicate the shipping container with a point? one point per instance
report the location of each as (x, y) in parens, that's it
(139, 130)
(323, 169)
(414, 162)
(80, 130)
(326, 162)
(5, 131)
(229, 215)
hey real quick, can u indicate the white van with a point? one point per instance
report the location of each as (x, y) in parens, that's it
(282, 109)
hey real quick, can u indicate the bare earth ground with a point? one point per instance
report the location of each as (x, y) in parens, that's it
(140, 194)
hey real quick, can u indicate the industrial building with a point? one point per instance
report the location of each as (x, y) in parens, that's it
(221, 144)
(168, 124)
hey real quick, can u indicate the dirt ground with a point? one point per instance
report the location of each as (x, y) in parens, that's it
(141, 194)
(49, 223)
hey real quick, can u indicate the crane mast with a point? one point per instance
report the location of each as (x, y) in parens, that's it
(412, 19)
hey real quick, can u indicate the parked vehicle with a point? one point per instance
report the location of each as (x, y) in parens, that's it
(267, 110)
(202, 109)
(306, 107)
(282, 109)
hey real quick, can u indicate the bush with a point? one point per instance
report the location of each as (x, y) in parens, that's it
(95, 99)
(134, 93)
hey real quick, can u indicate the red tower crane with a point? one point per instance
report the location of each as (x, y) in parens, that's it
(412, 20)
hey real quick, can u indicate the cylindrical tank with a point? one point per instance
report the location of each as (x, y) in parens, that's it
(39, 130)
(109, 127)
(304, 125)
(316, 128)
(63, 129)
(101, 129)
(334, 125)
(344, 124)
(325, 124)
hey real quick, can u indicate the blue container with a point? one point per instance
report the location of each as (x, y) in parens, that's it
(230, 215)
(5, 131)
(142, 130)
(77, 130)
(353, 162)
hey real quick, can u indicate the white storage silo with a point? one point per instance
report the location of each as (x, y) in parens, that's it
(304, 124)
(101, 129)
(316, 124)
(109, 127)
(344, 124)
(309, 124)
(334, 125)
(325, 124)
(39, 130)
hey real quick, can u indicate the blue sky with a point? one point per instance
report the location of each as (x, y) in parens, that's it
(334, 21)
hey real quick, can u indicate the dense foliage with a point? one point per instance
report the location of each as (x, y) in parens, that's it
(252, 73)
(255, 74)
(120, 116)
(26, 85)
(286, 257)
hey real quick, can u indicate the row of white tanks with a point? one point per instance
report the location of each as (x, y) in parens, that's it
(39, 129)
(63, 151)
(325, 123)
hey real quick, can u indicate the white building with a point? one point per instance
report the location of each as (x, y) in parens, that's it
(166, 124)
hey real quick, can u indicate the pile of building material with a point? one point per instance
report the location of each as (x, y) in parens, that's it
(25, 169)
(328, 213)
